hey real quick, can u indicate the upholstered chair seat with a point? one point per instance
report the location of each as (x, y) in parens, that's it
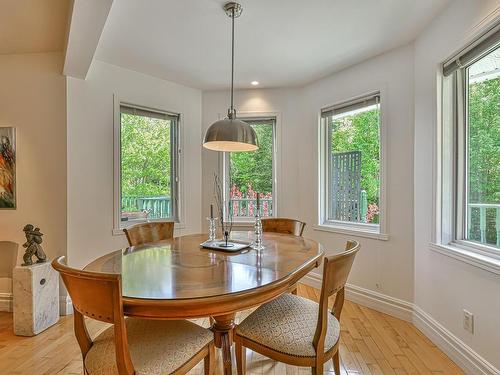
(287, 325)
(157, 347)
(298, 331)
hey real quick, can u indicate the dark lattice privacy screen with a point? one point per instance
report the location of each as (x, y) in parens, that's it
(346, 190)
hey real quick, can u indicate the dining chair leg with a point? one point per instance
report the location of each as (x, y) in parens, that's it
(336, 363)
(241, 357)
(318, 368)
(209, 361)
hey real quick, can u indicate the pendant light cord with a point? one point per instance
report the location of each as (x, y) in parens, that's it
(232, 63)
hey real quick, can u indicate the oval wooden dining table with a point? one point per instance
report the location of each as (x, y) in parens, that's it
(177, 279)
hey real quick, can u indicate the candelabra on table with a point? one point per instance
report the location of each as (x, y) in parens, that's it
(258, 242)
(212, 228)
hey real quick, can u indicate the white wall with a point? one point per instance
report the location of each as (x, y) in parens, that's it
(445, 286)
(33, 100)
(90, 153)
(384, 266)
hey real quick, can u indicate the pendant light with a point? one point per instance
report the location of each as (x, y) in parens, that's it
(231, 134)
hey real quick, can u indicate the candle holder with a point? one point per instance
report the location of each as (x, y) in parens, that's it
(212, 228)
(226, 242)
(258, 243)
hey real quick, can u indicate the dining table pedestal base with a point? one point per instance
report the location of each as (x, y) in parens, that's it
(223, 337)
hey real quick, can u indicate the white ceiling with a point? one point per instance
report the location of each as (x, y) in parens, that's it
(33, 26)
(278, 42)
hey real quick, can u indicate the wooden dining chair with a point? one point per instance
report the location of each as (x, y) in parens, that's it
(149, 232)
(296, 330)
(130, 346)
(283, 225)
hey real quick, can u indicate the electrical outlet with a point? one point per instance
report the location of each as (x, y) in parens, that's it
(469, 321)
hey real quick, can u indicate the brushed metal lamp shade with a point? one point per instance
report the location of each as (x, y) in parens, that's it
(230, 135)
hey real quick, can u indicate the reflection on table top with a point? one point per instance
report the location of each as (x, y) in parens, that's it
(179, 268)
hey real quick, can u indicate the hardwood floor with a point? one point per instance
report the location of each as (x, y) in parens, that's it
(371, 343)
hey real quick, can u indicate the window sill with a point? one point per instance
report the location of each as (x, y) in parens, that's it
(358, 232)
(469, 255)
(120, 232)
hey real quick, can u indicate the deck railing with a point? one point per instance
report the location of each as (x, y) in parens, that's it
(246, 207)
(154, 207)
(484, 209)
(161, 207)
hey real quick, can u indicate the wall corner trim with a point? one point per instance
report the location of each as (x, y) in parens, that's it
(459, 352)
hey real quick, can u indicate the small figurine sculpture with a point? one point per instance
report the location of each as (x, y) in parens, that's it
(32, 245)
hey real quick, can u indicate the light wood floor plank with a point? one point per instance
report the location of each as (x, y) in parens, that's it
(371, 343)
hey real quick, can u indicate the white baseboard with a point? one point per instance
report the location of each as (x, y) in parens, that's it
(6, 302)
(312, 279)
(381, 302)
(459, 352)
(463, 355)
(65, 305)
(377, 301)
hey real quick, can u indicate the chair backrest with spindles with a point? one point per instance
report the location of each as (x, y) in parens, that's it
(336, 269)
(282, 225)
(149, 232)
(97, 296)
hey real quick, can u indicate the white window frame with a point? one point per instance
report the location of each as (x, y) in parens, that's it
(375, 231)
(450, 196)
(177, 186)
(224, 163)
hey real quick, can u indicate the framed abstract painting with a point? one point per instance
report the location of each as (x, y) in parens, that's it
(7, 168)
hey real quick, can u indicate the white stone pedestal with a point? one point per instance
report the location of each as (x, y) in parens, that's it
(36, 298)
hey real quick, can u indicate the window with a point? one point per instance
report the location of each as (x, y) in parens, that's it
(252, 173)
(351, 167)
(148, 165)
(470, 150)
(482, 178)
